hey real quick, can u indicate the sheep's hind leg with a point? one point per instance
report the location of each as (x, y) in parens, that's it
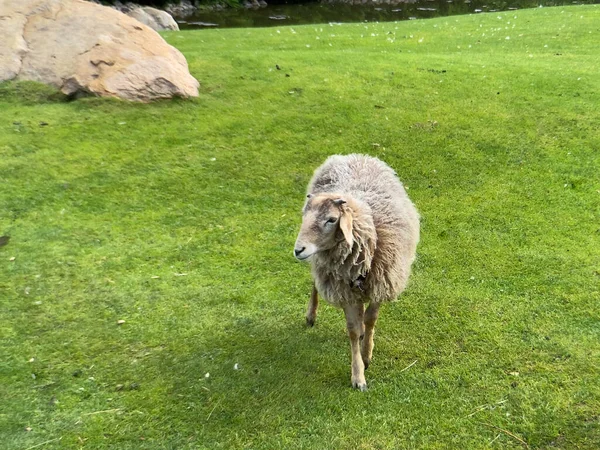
(354, 322)
(371, 315)
(313, 304)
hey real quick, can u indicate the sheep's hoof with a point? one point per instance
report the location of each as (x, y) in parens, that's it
(361, 385)
(310, 321)
(366, 362)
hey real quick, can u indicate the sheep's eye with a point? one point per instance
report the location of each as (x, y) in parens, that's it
(331, 220)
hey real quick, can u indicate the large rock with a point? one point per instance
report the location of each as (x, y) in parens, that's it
(82, 47)
(154, 18)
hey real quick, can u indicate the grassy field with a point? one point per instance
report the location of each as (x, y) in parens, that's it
(179, 218)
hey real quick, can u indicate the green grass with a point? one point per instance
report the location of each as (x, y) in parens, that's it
(179, 218)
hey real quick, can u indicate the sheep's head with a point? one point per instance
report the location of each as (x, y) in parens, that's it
(326, 222)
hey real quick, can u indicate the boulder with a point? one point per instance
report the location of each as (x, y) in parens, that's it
(154, 18)
(85, 48)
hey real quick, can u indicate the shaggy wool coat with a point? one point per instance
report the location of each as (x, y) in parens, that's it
(385, 231)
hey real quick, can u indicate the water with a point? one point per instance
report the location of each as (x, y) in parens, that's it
(312, 13)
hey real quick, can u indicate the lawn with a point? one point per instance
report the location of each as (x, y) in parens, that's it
(149, 298)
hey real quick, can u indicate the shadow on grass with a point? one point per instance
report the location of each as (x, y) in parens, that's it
(252, 374)
(30, 93)
(34, 93)
(268, 354)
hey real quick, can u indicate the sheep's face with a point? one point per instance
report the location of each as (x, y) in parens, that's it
(326, 222)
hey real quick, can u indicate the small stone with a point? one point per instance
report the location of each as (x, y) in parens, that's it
(236, 366)
(119, 387)
(28, 429)
(154, 18)
(207, 375)
(120, 322)
(31, 360)
(13, 258)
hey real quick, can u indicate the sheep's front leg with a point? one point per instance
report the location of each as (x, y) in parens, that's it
(371, 315)
(313, 304)
(354, 323)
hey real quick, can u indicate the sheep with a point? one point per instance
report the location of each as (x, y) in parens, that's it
(360, 233)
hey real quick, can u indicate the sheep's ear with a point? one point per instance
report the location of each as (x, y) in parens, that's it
(339, 201)
(346, 226)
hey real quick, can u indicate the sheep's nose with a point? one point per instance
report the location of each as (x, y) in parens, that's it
(297, 251)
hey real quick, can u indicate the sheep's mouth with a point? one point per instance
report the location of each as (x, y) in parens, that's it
(303, 258)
